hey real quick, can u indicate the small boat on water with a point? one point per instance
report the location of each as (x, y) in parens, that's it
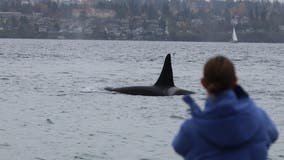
(234, 36)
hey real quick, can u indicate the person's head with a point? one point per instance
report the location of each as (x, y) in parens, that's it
(218, 75)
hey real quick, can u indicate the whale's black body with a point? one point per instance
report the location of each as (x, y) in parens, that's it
(163, 87)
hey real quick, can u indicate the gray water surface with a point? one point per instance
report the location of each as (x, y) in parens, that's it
(54, 107)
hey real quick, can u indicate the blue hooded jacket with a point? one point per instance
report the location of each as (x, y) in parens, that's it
(231, 127)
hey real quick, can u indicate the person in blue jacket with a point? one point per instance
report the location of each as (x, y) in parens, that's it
(231, 126)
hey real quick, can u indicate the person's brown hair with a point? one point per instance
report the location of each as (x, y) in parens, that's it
(219, 74)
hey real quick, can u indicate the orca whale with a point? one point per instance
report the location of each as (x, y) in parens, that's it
(163, 87)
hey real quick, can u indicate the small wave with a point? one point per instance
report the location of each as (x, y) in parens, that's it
(86, 91)
(4, 145)
(88, 156)
(90, 89)
(176, 117)
(4, 79)
(63, 72)
(104, 132)
(94, 90)
(39, 158)
(3, 99)
(24, 55)
(61, 93)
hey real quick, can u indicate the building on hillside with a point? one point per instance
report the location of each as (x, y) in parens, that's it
(91, 12)
(6, 16)
(10, 14)
(196, 22)
(281, 28)
(68, 2)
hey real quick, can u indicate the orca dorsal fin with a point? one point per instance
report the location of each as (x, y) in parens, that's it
(166, 76)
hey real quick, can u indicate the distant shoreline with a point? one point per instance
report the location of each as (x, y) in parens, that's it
(274, 37)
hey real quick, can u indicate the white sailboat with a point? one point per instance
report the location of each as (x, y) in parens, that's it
(234, 36)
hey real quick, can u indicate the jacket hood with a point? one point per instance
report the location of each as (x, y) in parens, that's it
(228, 120)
